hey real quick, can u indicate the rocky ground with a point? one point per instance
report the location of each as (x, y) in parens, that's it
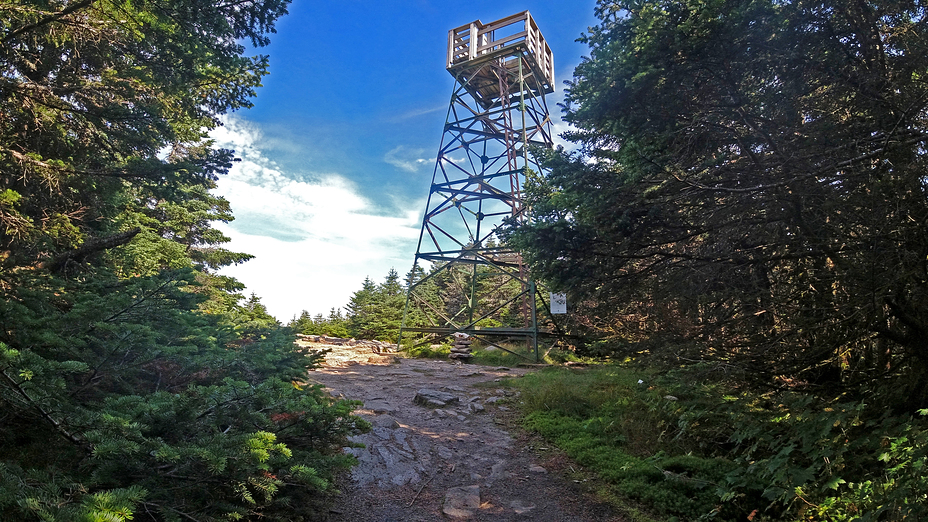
(442, 445)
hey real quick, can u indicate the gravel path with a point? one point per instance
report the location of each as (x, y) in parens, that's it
(432, 461)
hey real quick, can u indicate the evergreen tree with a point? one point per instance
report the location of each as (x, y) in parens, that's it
(389, 316)
(134, 384)
(391, 285)
(336, 325)
(749, 190)
(376, 311)
(304, 324)
(362, 308)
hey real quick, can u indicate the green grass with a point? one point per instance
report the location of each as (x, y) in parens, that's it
(501, 357)
(482, 355)
(516, 354)
(675, 448)
(426, 352)
(612, 425)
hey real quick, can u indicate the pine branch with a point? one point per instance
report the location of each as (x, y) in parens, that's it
(77, 255)
(137, 302)
(68, 170)
(162, 506)
(47, 20)
(45, 415)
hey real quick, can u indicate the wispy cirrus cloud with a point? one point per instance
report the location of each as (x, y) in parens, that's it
(422, 111)
(410, 160)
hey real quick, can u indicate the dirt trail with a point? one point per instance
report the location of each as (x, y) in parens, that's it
(453, 461)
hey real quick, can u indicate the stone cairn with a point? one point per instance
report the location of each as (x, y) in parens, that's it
(461, 347)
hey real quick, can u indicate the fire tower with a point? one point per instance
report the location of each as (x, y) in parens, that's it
(477, 285)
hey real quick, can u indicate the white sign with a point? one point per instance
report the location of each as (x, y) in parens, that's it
(558, 303)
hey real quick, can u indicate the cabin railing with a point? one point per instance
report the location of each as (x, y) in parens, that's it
(474, 40)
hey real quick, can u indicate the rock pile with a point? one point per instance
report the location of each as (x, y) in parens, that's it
(461, 347)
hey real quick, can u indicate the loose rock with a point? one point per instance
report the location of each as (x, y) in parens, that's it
(521, 507)
(461, 501)
(434, 398)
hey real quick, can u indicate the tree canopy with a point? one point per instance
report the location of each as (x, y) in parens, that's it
(374, 312)
(134, 383)
(749, 190)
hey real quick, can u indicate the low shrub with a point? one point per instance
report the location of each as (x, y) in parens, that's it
(705, 451)
(835, 461)
(427, 352)
(605, 419)
(497, 357)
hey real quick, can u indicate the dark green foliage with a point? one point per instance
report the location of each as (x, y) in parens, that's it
(424, 306)
(148, 395)
(609, 424)
(363, 308)
(749, 189)
(376, 311)
(335, 325)
(748, 200)
(134, 384)
(829, 462)
(393, 298)
(800, 457)
(302, 324)
(692, 449)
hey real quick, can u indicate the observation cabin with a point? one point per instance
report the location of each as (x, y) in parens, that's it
(515, 42)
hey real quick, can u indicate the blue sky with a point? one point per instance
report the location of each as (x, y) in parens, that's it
(338, 151)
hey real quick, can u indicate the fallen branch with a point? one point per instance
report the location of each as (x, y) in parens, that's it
(413, 501)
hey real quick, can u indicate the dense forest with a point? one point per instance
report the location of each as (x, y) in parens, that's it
(746, 203)
(375, 311)
(135, 382)
(750, 188)
(741, 221)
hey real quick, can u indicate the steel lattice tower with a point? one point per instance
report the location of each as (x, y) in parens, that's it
(498, 111)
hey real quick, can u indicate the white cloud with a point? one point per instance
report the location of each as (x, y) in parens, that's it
(314, 241)
(410, 160)
(558, 128)
(309, 275)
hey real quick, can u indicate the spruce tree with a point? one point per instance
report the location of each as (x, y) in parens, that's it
(362, 308)
(749, 190)
(389, 316)
(134, 382)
